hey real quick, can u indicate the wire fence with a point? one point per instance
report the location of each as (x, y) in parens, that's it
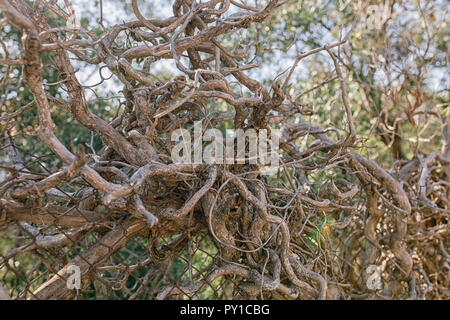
(177, 268)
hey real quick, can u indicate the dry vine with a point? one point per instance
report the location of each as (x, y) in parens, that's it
(131, 194)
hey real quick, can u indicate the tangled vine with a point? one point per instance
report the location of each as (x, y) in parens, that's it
(330, 223)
